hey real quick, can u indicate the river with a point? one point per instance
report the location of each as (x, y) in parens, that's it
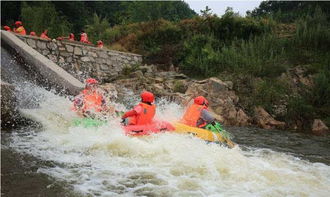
(54, 158)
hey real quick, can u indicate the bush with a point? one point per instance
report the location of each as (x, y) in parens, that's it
(313, 31)
(127, 70)
(201, 55)
(179, 87)
(321, 90)
(97, 29)
(160, 41)
(269, 92)
(300, 110)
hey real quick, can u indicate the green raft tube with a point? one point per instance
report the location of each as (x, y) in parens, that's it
(87, 122)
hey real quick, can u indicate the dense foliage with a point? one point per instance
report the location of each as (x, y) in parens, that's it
(78, 14)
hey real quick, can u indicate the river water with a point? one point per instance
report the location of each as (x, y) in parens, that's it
(104, 162)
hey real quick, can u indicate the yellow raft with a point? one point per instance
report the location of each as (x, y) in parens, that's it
(202, 133)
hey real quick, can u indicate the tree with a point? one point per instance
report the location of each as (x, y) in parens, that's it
(41, 16)
(207, 12)
(230, 12)
(75, 12)
(97, 28)
(289, 11)
(139, 11)
(10, 11)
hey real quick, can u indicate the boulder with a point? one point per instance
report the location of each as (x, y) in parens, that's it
(265, 120)
(158, 89)
(218, 117)
(230, 84)
(171, 75)
(221, 99)
(137, 74)
(319, 128)
(146, 69)
(299, 76)
(216, 85)
(242, 119)
(159, 79)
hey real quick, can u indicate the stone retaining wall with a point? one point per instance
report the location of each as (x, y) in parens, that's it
(82, 60)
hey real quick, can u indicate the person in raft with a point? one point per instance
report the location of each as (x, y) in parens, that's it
(143, 113)
(90, 101)
(197, 114)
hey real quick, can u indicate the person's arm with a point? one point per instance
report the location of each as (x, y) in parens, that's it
(207, 116)
(135, 111)
(129, 114)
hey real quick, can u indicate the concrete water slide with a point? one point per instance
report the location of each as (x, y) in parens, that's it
(53, 75)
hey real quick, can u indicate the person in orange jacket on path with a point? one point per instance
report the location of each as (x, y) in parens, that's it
(7, 28)
(100, 44)
(143, 113)
(19, 28)
(84, 38)
(44, 35)
(90, 101)
(197, 114)
(70, 37)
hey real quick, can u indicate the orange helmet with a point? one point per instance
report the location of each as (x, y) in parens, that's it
(91, 81)
(6, 27)
(147, 97)
(18, 23)
(201, 100)
(32, 33)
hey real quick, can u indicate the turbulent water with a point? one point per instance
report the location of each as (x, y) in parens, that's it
(104, 162)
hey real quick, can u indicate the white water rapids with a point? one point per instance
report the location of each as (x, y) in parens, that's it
(104, 162)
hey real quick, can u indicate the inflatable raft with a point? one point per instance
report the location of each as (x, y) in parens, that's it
(208, 135)
(87, 122)
(155, 127)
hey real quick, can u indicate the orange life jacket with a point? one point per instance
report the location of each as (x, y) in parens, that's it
(100, 46)
(84, 38)
(192, 115)
(146, 116)
(43, 35)
(92, 101)
(20, 30)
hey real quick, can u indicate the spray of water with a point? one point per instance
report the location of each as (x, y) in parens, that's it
(104, 162)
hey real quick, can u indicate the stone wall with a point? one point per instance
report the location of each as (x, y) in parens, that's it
(82, 60)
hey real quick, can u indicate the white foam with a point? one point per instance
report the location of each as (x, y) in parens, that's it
(102, 161)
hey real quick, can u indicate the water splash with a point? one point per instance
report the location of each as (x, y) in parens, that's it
(104, 162)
